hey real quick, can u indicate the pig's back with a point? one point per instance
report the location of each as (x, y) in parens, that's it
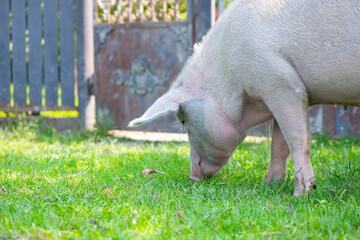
(320, 39)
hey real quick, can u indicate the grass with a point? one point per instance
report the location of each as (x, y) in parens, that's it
(46, 114)
(78, 185)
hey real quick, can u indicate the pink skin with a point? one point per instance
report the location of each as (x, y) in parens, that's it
(202, 167)
(291, 113)
(279, 153)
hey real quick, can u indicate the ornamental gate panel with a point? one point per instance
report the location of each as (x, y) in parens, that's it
(140, 54)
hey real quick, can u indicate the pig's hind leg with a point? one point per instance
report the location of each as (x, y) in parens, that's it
(279, 153)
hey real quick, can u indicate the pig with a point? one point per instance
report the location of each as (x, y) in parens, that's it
(265, 60)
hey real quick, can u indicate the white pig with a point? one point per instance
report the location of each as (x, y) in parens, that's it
(265, 59)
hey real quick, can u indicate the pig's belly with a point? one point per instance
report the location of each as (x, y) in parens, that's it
(334, 91)
(331, 80)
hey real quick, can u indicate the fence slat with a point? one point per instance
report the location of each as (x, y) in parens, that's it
(96, 17)
(176, 10)
(108, 12)
(141, 10)
(164, 9)
(221, 6)
(119, 6)
(67, 52)
(35, 51)
(51, 52)
(19, 60)
(129, 5)
(152, 6)
(4, 53)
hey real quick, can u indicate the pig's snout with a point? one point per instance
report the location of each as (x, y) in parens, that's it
(194, 177)
(207, 170)
(207, 165)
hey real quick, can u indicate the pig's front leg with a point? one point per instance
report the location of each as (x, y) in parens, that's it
(279, 153)
(290, 109)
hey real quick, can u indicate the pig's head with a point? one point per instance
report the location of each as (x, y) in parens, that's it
(212, 135)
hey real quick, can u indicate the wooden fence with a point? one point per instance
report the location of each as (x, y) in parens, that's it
(46, 63)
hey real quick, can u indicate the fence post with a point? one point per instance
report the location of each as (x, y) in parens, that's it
(190, 9)
(86, 73)
(205, 17)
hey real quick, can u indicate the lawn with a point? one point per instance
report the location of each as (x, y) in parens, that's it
(76, 185)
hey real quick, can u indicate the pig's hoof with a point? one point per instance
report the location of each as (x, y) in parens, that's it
(271, 178)
(302, 188)
(275, 174)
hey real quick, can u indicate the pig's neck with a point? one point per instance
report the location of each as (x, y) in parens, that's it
(252, 115)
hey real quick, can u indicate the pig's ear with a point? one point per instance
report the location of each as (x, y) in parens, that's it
(165, 105)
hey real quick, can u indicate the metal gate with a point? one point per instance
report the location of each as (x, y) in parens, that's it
(138, 57)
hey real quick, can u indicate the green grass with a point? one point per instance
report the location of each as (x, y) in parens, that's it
(89, 186)
(47, 114)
